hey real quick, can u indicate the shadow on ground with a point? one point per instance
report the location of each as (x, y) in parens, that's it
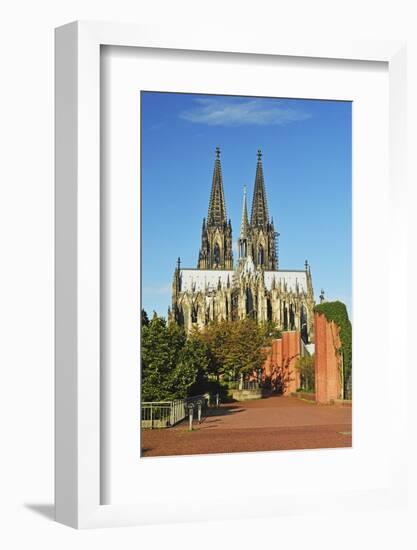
(45, 510)
(224, 411)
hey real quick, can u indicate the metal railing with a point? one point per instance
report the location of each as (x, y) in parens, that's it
(164, 414)
(156, 414)
(251, 385)
(244, 385)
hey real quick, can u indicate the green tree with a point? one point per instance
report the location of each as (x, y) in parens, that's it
(145, 318)
(171, 363)
(215, 337)
(307, 373)
(244, 351)
(174, 366)
(234, 347)
(161, 346)
(190, 374)
(269, 331)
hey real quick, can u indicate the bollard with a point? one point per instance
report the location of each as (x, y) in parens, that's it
(199, 411)
(190, 416)
(217, 400)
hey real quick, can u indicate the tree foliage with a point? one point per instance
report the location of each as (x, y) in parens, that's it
(166, 374)
(307, 374)
(234, 348)
(145, 318)
(192, 368)
(269, 331)
(174, 365)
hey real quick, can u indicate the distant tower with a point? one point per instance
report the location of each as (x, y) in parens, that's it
(216, 235)
(244, 243)
(262, 229)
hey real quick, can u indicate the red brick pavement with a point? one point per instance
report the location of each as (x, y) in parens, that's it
(275, 423)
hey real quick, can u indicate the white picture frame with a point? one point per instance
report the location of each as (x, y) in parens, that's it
(78, 410)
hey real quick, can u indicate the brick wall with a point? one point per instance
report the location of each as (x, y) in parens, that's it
(327, 359)
(279, 367)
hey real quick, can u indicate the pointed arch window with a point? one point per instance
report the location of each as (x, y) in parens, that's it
(216, 254)
(303, 323)
(269, 310)
(194, 313)
(243, 249)
(292, 317)
(261, 255)
(250, 310)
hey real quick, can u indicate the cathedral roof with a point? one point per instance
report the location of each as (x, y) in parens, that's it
(197, 280)
(259, 215)
(217, 206)
(291, 279)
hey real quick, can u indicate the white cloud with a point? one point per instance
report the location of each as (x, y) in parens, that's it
(224, 112)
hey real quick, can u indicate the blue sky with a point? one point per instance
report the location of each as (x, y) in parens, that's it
(307, 151)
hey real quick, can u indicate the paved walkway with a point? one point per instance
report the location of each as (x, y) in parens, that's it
(274, 423)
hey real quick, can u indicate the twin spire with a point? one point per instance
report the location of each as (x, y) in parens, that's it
(217, 205)
(257, 238)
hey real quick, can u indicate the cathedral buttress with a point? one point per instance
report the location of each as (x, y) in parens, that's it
(216, 235)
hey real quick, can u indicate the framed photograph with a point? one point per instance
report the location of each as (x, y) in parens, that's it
(235, 348)
(223, 218)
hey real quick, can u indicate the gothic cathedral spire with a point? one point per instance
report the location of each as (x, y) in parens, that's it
(263, 234)
(259, 217)
(217, 208)
(244, 237)
(216, 238)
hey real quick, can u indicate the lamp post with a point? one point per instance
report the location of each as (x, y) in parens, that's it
(190, 416)
(199, 405)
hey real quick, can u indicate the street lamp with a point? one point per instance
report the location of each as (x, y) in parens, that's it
(199, 405)
(190, 416)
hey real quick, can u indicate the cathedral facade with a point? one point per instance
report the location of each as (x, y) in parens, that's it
(253, 286)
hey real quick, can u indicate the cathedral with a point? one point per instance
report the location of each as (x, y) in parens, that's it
(252, 287)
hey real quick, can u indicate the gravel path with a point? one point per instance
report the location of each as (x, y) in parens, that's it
(275, 423)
